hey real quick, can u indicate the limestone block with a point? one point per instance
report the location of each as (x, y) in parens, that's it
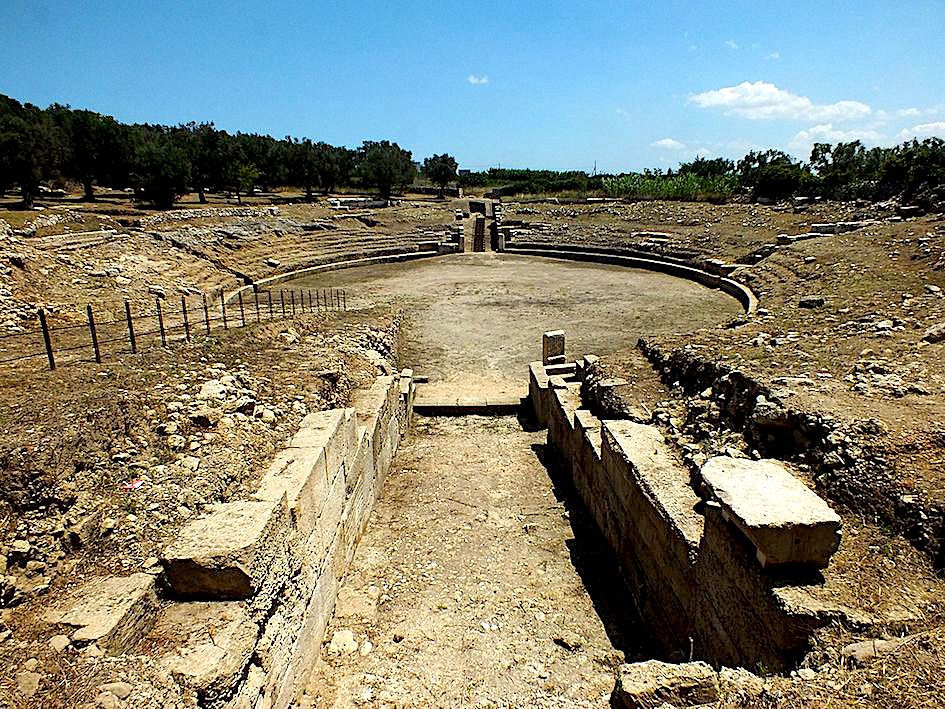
(230, 553)
(303, 471)
(780, 515)
(114, 612)
(362, 466)
(213, 643)
(644, 685)
(299, 475)
(329, 519)
(332, 430)
(308, 642)
(552, 345)
(658, 473)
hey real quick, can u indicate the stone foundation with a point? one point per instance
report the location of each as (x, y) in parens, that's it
(691, 561)
(251, 584)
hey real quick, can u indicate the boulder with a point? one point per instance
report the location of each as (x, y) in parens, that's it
(114, 612)
(780, 515)
(231, 553)
(643, 685)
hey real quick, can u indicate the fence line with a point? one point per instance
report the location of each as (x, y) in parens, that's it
(164, 326)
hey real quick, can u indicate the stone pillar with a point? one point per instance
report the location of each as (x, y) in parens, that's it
(552, 347)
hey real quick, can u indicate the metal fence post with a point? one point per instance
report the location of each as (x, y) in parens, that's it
(282, 300)
(183, 309)
(256, 298)
(131, 328)
(46, 340)
(98, 355)
(292, 294)
(223, 306)
(269, 296)
(344, 299)
(242, 311)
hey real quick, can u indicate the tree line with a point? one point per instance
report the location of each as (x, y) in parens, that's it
(912, 172)
(162, 163)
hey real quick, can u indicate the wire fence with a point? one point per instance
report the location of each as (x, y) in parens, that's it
(168, 322)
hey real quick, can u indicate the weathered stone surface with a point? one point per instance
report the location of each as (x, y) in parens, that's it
(214, 642)
(552, 346)
(780, 515)
(228, 554)
(934, 334)
(304, 471)
(739, 685)
(866, 650)
(644, 685)
(114, 612)
(659, 474)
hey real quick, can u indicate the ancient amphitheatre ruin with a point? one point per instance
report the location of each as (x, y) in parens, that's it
(547, 454)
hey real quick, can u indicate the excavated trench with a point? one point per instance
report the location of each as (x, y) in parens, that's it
(484, 575)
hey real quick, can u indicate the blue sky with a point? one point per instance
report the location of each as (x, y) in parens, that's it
(527, 84)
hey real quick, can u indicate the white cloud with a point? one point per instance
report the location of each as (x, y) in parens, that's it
(909, 112)
(478, 80)
(774, 55)
(761, 100)
(827, 133)
(731, 44)
(621, 111)
(923, 130)
(703, 152)
(668, 144)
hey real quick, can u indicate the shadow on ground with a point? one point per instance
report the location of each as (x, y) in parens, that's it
(592, 560)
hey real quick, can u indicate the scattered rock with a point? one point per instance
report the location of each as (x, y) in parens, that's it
(28, 682)
(867, 650)
(122, 690)
(812, 301)
(107, 700)
(934, 334)
(213, 389)
(205, 417)
(342, 643)
(59, 642)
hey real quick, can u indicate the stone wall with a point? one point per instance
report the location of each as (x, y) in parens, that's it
(699, 570)
(632, 259)
(249, 587)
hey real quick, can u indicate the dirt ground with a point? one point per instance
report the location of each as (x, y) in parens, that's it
(476, 320)
(474, 584)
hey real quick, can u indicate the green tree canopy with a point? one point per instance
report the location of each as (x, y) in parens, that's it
(440, 170)
(161, 169)
(385, 165)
